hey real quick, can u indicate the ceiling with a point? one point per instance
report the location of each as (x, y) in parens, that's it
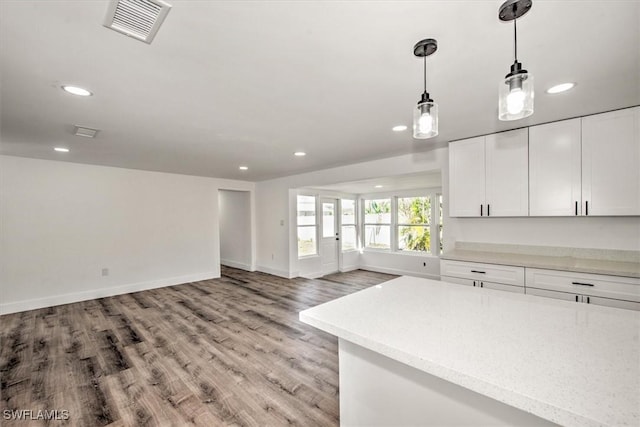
(230, 83)
(386, 184)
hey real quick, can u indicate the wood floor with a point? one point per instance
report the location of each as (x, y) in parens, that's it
(229, 351)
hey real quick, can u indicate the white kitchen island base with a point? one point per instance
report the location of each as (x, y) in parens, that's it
(378, 391)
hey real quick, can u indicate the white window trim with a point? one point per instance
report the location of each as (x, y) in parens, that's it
(377, 196)
(316, 225)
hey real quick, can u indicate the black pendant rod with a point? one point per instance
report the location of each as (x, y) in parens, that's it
(515, 40)
(425, 72)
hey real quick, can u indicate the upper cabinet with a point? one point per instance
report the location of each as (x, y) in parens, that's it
(488, 175)
(555, 179)
(611, 163)
(588, 166)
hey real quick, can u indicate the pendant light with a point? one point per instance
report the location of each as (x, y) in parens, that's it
(425, 115)
(516, 91)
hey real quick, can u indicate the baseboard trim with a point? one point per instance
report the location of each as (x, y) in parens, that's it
(399, 272)
(349, 268)
(50, 301)
(274, 272)
(235, 264)
(315, 275)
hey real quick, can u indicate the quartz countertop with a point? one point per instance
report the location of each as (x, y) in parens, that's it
(565, 263)
(572, 364)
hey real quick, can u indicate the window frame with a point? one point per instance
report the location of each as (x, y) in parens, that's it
(341, 225)
(398, 224)
(434, 220)
(377, 196)
(315, 225)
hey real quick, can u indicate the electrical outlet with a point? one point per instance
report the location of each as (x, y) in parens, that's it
(105, 271)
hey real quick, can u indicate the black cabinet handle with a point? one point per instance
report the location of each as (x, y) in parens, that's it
(576, 207)
(488, 211)
(582, 284)
(480, 210)
(482, 284)
(588, 300)
(476, 271)
(576, 298)
(586, 207)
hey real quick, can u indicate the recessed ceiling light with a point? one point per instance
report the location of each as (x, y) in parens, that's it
(244, 168)
(61, 149)
(562, 87)
(378, 186)
(75, 90)
(300, 154)
(399, 128)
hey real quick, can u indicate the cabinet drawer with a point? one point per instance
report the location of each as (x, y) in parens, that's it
(620, 288)
(504, 274)
(608, 302)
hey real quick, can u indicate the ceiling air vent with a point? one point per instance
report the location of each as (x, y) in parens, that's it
(139, 19)
(84, 131)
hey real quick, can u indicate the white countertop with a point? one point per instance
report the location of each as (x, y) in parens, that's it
(564, 263)
(573, 364)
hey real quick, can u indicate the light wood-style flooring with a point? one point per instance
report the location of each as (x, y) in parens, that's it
(229, 351)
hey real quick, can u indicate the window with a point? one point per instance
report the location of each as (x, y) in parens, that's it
(307, 226)
(408, 222)
(348, 221)
(377, 223)
(413, 229)
(328, 220)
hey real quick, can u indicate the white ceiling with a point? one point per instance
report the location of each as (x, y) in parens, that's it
(388, 184)
(227, 83)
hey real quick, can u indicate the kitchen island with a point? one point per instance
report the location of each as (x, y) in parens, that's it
(422, 352)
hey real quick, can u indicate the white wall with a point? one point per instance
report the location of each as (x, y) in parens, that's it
(275, 202)
(235, 229)
(62, 223)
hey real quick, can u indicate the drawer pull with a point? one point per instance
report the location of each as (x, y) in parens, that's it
(582, 284)
(481, 272)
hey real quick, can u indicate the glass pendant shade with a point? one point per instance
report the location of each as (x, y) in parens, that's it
(516, 97)
(425, 120)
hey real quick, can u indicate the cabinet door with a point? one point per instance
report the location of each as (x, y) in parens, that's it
(553, 294)
(507, 173)
(502, 287)
(611, 163)
(466, 177)
(457, 280)
(629, 305)
(555, 169)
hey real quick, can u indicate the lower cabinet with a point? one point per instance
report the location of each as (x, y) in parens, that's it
(490, 276)
(585, 288)
(611, 291)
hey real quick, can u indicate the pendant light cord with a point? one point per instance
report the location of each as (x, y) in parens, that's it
(515, 40)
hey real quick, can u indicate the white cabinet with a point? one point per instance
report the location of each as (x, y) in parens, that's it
(613, 291)
(490, 276)
(488, 175)
(611, 163)
(467, 177)
(555, 179)
(588, 166)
